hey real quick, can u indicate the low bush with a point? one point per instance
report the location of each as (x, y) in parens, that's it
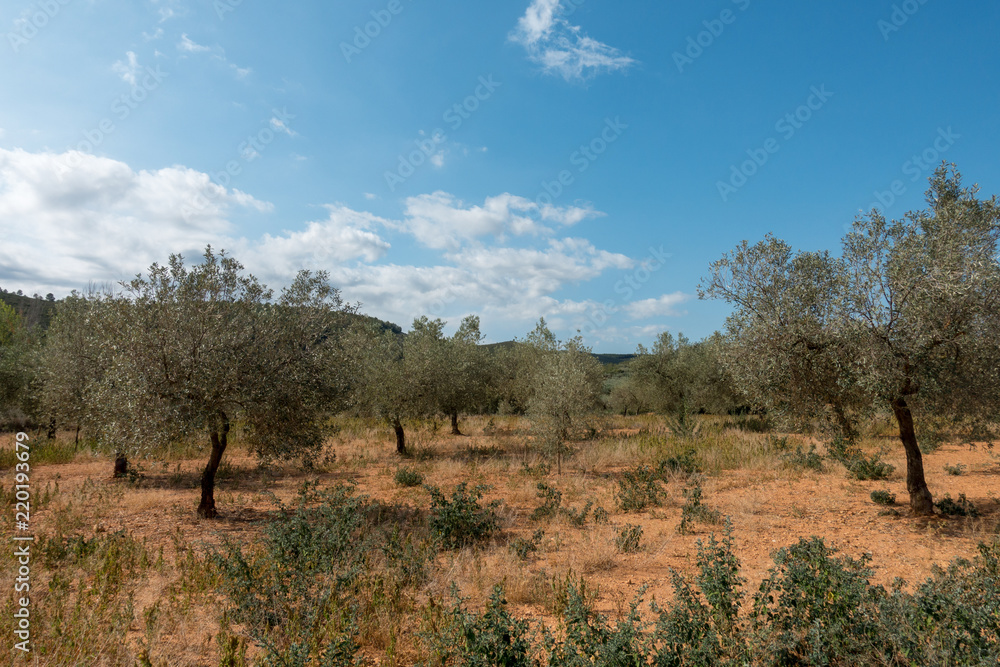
(629, 538)
(961, 507)
(462, 521)
(408, 477)
(808, 460)
(861, 467)
(883, 498)
(639, 488)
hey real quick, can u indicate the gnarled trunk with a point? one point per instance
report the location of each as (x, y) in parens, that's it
(400, 437)
(220, 438)
(121, 465)
(454, 424)
(921, 501)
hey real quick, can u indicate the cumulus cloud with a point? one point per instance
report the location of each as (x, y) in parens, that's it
(561, 47)
(71, 218)
(440, 220)
(662, 306)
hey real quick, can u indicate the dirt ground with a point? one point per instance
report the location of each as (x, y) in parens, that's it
(769, 508)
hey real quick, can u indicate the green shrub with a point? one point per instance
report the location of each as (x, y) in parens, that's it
(629, 538)
(694, 510)
(883, 498)
(639, 488)
(551, 502)
(408, 477)
(960, 507)
(799, 459)
(860, 467)
(601, 516)
(459, 637)
(578, 517)
(686, 463)
(954, 469)
(776, 444)
(523, 548)
(462, 521)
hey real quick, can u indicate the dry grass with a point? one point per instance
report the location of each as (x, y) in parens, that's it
(177, 613)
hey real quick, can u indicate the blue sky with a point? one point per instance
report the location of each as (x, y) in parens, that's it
(581, 160)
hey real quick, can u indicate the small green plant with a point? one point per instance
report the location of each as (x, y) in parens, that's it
(695, 510)
(408, 477)
(809, 460)
(629, 539)
(686, 463)
(462, 521)
(578, 517)
(536, 471)
(638, 489)
(684, 424)
(523, 548)
(551, 502)
(601, 516)
(961, 507)
(883, 498)
(954, 469)
(860, 467)
(776, 444)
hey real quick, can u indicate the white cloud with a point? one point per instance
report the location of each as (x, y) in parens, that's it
(280, 126)
(368, 195)
(149, 37)
(562, 48)
(663, 306)
(69, 218)
(188, 46)
(344, 236)
(129, 70)
(439, 220)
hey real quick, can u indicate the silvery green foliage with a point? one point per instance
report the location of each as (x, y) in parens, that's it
(677, 375)
(186, 351)
(906, 318)
(566, 384)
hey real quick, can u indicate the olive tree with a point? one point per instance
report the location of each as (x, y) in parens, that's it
(19, 354)
(905, 319)
(191, 352)
(565, 385)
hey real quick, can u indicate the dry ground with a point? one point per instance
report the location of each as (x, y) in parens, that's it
(770, 505)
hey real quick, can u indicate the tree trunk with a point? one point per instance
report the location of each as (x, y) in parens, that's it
(847, 430)
(400, 437)
(220, 438)
(51, 435)
(454, 424)
(121, 465)
(921, 501)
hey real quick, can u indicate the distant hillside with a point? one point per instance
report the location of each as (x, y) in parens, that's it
(34, 310)
(605, 359)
